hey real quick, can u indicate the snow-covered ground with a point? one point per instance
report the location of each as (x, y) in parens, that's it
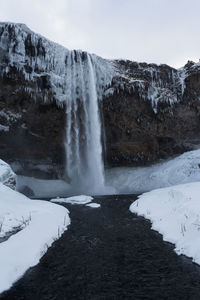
(182, 169)
(30, 226)
(81, 199)
(41, 223)
(173, 210)
(175, 213)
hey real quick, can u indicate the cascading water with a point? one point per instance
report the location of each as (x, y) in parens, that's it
(84, 163)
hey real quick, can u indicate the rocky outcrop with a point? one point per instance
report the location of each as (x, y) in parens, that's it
(148, 111)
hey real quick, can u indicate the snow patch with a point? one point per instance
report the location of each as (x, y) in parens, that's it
(82, 199)
(10, 116)
(93, 205)
(175, 213)
(4, 128)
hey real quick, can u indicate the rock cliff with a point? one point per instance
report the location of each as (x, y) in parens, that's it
(148, 111)
(151, 112)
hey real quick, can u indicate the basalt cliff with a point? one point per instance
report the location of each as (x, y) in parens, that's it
(148, 111)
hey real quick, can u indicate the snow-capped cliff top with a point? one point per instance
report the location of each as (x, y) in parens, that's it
(42, 61)
(22, 25)
(32, 55)
(21, 28)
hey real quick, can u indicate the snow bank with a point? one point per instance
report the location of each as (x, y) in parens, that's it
(182, 169)
(175, 213)
(82, 199)
(40, 224)
(7, 176)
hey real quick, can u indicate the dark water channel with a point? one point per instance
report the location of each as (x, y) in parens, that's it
(108, 253)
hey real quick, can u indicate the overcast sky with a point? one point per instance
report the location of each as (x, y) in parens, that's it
(160, 31)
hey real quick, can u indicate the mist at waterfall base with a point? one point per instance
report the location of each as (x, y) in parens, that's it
(127, 180)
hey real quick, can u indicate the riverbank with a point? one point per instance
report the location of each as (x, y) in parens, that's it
(109, 253)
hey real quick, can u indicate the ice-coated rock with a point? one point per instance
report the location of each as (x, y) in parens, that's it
(7, 176)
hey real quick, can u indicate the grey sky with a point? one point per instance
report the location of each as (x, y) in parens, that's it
(160, 31)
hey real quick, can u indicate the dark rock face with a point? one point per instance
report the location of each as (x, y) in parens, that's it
(36, 133)
(141, 131)
(148, 111)
(32, 126)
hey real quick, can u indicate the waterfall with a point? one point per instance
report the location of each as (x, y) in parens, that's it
(84, 163)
